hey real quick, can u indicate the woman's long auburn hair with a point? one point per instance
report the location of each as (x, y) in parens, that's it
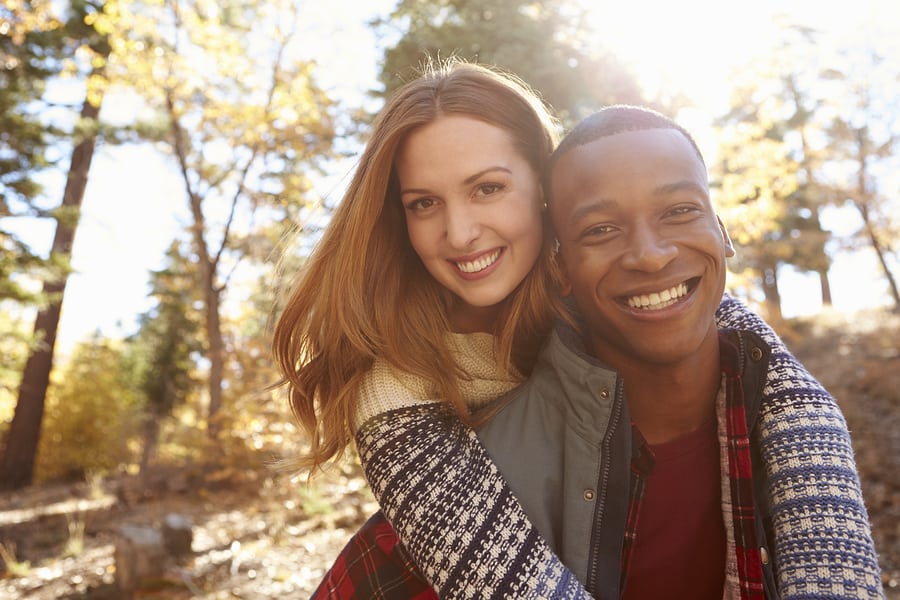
(364, 292)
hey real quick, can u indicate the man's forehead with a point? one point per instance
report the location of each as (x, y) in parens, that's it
(662, 158)
(633, 141)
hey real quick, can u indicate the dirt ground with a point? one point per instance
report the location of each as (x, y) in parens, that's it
(262, 536)
(257, 539)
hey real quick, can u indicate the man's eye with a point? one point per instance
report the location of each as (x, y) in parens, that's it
(682, 210)
(596, 231)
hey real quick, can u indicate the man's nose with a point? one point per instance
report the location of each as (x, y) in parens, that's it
(648, 251)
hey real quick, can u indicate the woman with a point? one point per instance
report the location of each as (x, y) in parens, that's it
(366, 294)
(418, 291)
(389, 309)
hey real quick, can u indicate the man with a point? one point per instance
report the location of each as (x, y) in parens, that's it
(643, 256)
(635, 448)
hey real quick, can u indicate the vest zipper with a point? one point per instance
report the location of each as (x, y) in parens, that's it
(742, 352)
(602, 487)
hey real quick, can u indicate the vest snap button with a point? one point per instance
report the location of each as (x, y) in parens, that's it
(588, 495)
(756, 354)
(604, 394)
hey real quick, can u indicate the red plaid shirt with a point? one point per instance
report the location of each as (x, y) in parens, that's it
(740, 475)
(374, 565)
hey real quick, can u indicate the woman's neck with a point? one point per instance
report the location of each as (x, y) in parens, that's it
(465, 318)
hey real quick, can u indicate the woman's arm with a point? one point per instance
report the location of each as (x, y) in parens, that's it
(823, 541)
(449, 504)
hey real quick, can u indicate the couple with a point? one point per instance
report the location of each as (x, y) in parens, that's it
(653, 438)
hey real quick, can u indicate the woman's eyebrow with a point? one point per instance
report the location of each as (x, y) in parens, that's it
(473, 178)
(468, 180)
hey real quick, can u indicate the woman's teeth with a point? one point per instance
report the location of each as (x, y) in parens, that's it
(479, 264)
(658, 300)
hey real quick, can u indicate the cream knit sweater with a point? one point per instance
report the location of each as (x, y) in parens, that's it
(384, 388)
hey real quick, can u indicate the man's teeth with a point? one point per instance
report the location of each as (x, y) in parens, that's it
(479, 264)
(658, 300)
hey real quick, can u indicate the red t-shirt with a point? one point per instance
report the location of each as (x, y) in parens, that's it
(679, 549)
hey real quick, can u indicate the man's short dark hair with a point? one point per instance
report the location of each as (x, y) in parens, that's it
(611, 120)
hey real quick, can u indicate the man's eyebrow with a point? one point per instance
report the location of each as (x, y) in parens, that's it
(596, 206)
(468, 180)
(679, 186)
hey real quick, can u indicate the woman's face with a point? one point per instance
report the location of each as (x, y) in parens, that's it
(473, 213)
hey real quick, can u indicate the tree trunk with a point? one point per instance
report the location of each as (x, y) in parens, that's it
(880, 253)
(826, 287)
(17, 462)
(862, 205)
(216, 357)
(209, 264)
(151, 440)
(773, 295)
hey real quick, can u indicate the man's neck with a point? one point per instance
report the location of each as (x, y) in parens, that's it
(669, 401)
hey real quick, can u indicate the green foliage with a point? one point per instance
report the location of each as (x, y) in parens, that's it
(863, 134)
(313, 502)
(13, 566)
(767, 179)
(806, 131)
(75, 542)
(31, 43)
(17, 261)
(36, 46)
(15, 341)
(244, 118)
(164, 347)
(92, 413)
(256, 424)
(545, 43)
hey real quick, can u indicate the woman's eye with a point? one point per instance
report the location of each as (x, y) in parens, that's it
(486, 189)
(420, 204)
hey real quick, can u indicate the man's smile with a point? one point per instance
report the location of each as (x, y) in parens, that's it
(662, 298)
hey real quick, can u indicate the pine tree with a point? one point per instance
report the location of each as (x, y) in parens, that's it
(17, 460)
(547, 44)
(166, 345)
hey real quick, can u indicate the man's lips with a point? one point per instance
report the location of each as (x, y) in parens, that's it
(660, 299)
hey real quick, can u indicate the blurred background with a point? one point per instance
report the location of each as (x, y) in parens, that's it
(166, 164)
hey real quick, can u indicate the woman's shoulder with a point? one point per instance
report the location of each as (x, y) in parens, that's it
(384, 388)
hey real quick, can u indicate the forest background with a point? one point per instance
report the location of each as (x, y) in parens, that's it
(197, 148)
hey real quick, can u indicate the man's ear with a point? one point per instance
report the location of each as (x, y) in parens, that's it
(565, 285)
(729, 246)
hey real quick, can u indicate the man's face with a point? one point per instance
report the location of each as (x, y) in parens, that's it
(641, 249)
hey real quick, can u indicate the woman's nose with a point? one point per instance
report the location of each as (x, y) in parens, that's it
(463, 227)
